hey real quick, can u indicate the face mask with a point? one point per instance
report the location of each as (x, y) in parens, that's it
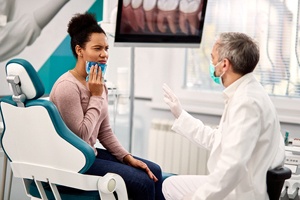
(212, 70)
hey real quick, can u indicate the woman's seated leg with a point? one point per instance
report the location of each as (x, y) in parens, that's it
(138, 183)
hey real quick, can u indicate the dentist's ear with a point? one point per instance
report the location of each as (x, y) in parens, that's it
(226, 64)
(172, 101)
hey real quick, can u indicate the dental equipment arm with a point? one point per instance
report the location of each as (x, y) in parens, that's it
(44, 14)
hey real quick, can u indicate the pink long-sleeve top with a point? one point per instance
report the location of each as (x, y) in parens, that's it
(86, 115)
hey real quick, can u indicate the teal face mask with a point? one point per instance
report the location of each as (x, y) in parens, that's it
(212, 70)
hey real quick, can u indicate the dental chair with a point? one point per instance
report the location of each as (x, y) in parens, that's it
(275, 181)
(43, 152)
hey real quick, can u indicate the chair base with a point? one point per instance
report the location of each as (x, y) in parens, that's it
(65, 193)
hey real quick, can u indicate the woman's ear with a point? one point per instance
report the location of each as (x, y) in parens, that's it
(78, 50)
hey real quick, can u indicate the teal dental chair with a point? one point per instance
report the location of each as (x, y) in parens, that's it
(43, 152)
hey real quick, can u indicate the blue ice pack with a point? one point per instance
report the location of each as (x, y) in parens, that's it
(89, 64)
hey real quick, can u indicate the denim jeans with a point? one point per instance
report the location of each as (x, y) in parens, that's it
(139, 185)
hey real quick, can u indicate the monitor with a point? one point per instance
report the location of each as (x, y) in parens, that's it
(160, 23)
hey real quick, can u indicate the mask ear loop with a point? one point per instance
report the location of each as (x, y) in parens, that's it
(216, 67)
(221, 80)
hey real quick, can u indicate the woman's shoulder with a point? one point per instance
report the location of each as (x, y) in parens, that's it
(64, 84)
(66, 76)
(66, 79)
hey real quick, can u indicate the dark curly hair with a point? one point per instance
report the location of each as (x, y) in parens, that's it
(80, 28)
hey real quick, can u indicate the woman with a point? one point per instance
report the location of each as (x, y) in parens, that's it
(83, 104)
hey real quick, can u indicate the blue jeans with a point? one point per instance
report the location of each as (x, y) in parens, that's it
(139, 185)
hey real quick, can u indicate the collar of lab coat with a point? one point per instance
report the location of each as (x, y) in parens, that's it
(230, 90)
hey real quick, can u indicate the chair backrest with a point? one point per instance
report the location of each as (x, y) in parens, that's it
(34, 131)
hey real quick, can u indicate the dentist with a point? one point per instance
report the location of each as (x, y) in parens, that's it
(247, 142)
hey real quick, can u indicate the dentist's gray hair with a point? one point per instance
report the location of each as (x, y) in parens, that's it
(240, 49)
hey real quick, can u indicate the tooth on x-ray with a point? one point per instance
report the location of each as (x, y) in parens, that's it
(189, 15)
(150, 14)
(138, 13)
(129, 16)
(167, 15)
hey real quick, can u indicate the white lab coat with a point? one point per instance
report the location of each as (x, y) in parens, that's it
(246, 144)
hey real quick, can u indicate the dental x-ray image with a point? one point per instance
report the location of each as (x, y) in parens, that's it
(160, 21)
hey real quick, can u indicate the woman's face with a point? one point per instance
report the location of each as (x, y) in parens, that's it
(96, 49)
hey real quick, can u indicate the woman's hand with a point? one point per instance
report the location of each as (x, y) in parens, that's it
(95, 81)
(130, 160)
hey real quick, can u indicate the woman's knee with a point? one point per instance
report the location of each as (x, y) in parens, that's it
(141, 188)
(155, 168)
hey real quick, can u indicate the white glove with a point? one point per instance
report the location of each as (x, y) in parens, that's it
(173, 102)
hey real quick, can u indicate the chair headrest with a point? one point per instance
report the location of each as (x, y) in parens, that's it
(30, 83)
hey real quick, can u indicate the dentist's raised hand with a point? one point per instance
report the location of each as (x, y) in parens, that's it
(172, 101)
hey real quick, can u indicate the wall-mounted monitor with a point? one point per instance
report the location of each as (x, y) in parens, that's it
(160, 23)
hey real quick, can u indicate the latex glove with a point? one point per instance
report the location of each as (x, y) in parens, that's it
(172, 101)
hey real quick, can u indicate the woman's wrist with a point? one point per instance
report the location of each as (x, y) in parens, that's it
(127, 158)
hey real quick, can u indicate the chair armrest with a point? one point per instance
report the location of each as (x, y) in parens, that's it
(106, 185)
(279, 174)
